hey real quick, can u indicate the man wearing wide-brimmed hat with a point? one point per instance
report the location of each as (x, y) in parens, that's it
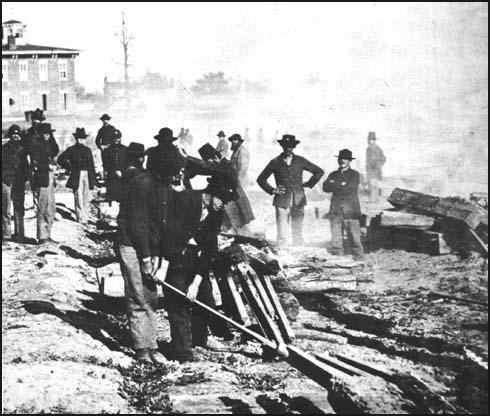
(114, 162)
(289, 195)
(223, 147)
(345, 209)
(42, 163)
(105, 135)
(240, 159)
(14, 177)
(79, 161)
(142, 223)
(375, 159)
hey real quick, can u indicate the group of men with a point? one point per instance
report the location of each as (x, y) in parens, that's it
(168, 231)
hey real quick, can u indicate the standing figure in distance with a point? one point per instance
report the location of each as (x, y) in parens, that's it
(345, 209)
(375, 159)
(289, 195)
(223, 146)
(114, 162)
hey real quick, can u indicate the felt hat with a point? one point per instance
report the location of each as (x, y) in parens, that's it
(371, 135)
(165, 134)
(136, 149)
(13, 129)
(45, 128)
(235, 136)
(80, 133)
(105, 117)
(288, 140)
(345, 154)
(38, 115)
(207, 152)
(221, 133)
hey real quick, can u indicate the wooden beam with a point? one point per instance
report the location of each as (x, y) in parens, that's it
(237, 300)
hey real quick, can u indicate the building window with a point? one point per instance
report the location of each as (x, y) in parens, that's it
(5, 104)
(24, 101)
(44, 98)
(5, 71)
(43, 71)
(23, 71)
(63, 70)
(64, 101)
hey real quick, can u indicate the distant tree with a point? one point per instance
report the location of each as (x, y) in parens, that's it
(155, 80)
(212, 83)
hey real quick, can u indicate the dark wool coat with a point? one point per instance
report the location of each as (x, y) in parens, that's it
(114, 159)
(74, 159)
(105, 136)
(14, 163)
(375, 159)
(42, 153)
(344, 187)
(291, 177)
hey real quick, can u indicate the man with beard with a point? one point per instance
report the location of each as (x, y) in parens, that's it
(345, 209)
(114, 162)
(41, 156)
(289, 195)
(240, 159)
(14, 177)
(79, 161)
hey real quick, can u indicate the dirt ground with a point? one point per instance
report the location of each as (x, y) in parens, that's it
(66, 349)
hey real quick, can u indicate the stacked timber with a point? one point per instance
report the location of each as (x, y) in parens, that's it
(430, 224)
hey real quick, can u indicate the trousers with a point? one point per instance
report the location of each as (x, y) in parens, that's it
(284, 216)
(13, 195)
(82, 198)
(141, 300)
(352, 228)
(46, 209)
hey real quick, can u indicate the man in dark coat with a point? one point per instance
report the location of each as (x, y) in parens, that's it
(114, 162)
(79, 161)
(191, 246)
(240, 159)
(42, 162)
(345, 209)
(105, 135)
(375, 159)
(14, 177)
(289, 195)
(237, 213)
(142, 223)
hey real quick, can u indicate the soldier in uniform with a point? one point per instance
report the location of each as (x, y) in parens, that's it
(79, 161)
(14, 177)
(345, 209)
(289, 195)
(105, 135)
(42, 164)
(375, 159)
(114, 162)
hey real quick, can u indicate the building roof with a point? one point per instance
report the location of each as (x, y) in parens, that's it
(28, 48)
(10, 21)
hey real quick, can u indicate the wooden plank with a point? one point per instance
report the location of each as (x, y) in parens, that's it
(303, 285)
(237, 299)
(258, 308)
(364, 367)
(261, 291)
(282, 320)
(480, 241)
(339, 365)
(400, 218)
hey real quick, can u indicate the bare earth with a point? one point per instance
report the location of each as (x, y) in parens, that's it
(67, 350)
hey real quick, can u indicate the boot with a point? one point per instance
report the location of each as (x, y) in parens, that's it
(143, 356)
(157, 357)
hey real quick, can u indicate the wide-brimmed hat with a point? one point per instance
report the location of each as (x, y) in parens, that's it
(136, 149)
(207, 152)
(38, 115)
(117, 134)
(235, 136)
(45, 128)
(105, 117)
(288, 140)
(345, 154)
(80, 133)
(222, 188)
(221, 133)
(165, 134)
(13, 129)
(371, 135)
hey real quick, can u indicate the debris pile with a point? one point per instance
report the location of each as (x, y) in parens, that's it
(430, 224)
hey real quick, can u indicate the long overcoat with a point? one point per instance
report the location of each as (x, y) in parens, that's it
(73, 160)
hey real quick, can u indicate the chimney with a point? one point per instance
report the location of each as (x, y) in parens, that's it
(11, 43)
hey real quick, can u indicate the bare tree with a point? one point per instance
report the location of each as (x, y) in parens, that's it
(125, 38)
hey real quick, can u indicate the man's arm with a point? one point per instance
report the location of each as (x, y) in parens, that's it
(262, 179)
(139, 216)
(316, 171)
(98, 138)
(64, 160)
